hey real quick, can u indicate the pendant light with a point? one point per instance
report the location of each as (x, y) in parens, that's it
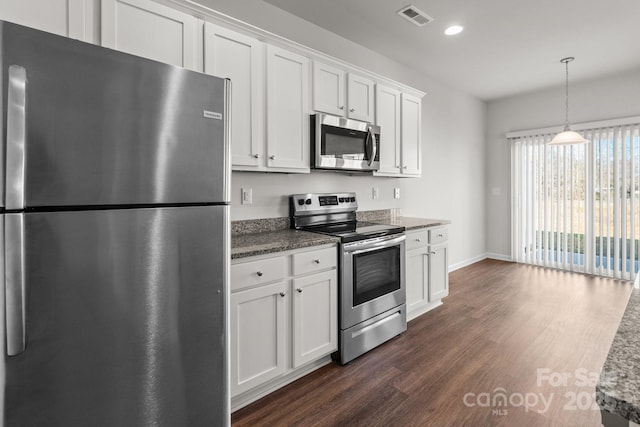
(567, 136)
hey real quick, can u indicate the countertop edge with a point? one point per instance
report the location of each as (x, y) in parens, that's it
(608, 398)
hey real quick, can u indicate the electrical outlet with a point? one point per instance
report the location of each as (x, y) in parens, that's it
(396, 193)
(247, 196)
(374, 193)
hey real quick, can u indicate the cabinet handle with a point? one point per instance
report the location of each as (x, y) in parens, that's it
(259, 273)
(256, 156)
(433, 253)
(299, 290)
(418, 240)
(352, 110)
(404, 167)
(282, 294)
(342, 107)
(272, 157)
(440, 235)
(317, 261)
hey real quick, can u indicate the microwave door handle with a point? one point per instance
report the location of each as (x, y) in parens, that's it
(372, 140)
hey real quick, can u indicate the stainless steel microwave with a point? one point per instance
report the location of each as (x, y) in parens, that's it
(342, 144)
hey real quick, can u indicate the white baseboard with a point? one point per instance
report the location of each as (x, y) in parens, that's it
(466, 262)
(499, 257)
(490, 255)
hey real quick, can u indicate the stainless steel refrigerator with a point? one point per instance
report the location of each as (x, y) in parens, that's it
(115, 237)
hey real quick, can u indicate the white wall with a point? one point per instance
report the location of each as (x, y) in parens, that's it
(606, 98)
(453, 181)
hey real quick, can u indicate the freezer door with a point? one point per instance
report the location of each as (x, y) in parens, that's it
(125, 319)
(107, 128)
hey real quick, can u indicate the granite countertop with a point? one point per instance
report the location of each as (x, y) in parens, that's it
(618, 390)
(270, 235)
(260, 243)
(412, 223)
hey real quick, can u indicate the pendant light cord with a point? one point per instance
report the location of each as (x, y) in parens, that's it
(566, 90)
(566, 95)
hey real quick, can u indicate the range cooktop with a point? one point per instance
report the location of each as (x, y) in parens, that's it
(335, 214)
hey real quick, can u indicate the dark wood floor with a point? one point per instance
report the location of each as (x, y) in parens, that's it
(535, 333)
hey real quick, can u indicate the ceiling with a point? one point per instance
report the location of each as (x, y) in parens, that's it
(508, 47)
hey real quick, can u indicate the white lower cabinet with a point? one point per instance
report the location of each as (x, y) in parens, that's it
(284, 318)
(427, 276)
(258, 342)
(315, 315)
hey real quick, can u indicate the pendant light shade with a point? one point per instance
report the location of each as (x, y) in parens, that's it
(567, 136)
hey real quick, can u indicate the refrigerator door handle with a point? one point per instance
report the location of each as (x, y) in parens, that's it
(16, 137)
(15, 301)
(227, 140)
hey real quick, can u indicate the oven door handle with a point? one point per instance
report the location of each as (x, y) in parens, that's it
(382, 242)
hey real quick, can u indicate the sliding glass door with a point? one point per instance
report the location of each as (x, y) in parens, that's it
(576, 207)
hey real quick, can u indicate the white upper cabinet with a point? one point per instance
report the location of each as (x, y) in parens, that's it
(342, 94)
(388, 118)
(70, 18)
(146, 28)
(328, 89)
(287, 110)
(360, 101)
(240, 58)
(411, 135)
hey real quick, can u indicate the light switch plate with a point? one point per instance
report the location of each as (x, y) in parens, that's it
(247, 196)
(374, 193)
(396, 193)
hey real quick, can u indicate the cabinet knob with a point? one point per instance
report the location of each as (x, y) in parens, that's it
(418, 240)
(282, 294)
(256, 156)
(404, 167)
(259, 273)
(317, 261)
(433, 253)
(272, 157)
(352, 110)
(299, 290)
(342, 107)
(440, 235)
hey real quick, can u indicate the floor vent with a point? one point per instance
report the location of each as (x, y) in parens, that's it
(415, 15)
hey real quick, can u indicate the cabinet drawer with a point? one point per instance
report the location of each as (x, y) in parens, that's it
(438, 235)
(257, 272)
(308, 262)
(417, 239)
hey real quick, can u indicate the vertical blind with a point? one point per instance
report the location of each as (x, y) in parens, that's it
(575, 207)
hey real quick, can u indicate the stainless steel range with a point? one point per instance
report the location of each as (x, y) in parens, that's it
(372, 273)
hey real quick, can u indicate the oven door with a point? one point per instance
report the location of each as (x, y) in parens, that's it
(345, 144)
(372, 278)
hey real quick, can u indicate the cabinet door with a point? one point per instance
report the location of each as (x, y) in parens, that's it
(70, 18)
(328, 89)
(241, 59)
(287, 110)
(315, 317)
(438, 273)
(258, 336)
(146, 28)
(360, 98)
(388, 118)
(411, 135)
(417, 278)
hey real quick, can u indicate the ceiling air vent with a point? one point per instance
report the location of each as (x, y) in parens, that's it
(415, 15)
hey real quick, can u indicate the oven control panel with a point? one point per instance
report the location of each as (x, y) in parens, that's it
(316, 203)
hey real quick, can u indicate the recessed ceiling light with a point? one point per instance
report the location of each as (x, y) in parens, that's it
(454, 29)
